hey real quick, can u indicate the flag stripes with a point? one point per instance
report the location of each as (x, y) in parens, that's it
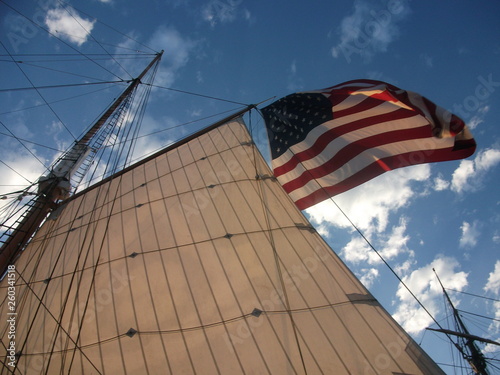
(375, 127)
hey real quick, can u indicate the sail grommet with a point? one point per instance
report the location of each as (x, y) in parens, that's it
(131, 332)
(256, 312)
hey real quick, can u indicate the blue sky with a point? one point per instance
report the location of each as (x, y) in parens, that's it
(444, 216)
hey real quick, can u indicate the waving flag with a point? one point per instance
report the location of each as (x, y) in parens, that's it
(326, 142)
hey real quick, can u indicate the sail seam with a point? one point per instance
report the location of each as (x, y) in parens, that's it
(286, 301)
(204, 326)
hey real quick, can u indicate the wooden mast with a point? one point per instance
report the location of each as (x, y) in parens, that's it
(55, 187)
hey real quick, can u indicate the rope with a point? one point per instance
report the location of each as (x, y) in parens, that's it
(38, 92)
(200, 95)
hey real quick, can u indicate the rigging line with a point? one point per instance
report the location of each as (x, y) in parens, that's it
(115, 30)
(95, 40)
(139, 114)
(164, 263)
(374, 249)
(200, 95)
(174, 127)
(159, 131)
(159, 332)
(76, 54)
(55, 101)
(12, 169)
(79, 282)
(62, 41)
(4, 185)
(66, 60)
(474, 295)
(19, 140)
(55, 70)
(26, 141)
(385, 262)
(40, 94)
(60, 86)
(185, 272)
(479, 315)
(225, 147)
(285, 298)
(55, 320)
(220, 214)
(17, 193)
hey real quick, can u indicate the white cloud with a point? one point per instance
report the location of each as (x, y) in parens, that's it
(390, 246)
(369, 205)
(19, 170)
(427, 60)
(357, 251)
(470, 173)
(396, 243)
(223, 11)
(178, 50)
(423, 283)
(369, 29)
(69, 25)
(478, 118)
(460, 176)
(147, 145)
(368, 276)
(493, 284)
(470, 233)
(294, 82)
(496, 237)
(440, 183)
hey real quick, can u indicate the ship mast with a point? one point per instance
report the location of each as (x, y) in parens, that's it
(55, 186)
(469, 349)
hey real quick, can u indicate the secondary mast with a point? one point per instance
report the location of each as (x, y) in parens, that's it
(469, 349)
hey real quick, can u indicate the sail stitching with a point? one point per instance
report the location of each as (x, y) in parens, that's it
(165, 274)
(276, 256)
(227, 148)
(191, 293)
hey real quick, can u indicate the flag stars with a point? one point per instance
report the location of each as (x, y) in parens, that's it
(291, 118)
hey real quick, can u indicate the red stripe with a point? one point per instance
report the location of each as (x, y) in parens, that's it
(375, 169)
(352, 150)
(368, 102)
(325, 139)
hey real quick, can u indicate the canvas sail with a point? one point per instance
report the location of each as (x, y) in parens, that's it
(195, 261)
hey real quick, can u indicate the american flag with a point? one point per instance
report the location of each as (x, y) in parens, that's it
(326, 142)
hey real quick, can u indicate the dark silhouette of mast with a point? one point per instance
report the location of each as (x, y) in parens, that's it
(56, 185)
(470, 351)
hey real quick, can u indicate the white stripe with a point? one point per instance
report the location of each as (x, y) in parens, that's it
(366, 158)
(338, 144)
(314, 134)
